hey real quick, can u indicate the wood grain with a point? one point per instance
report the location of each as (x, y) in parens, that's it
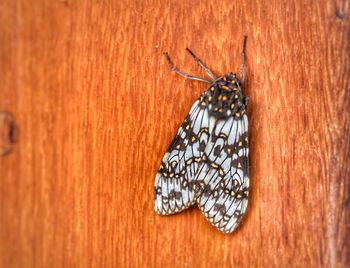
(96, 108)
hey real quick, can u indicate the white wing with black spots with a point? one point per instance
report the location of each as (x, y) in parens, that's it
(225, 174)
(174, 184)
(207, 162)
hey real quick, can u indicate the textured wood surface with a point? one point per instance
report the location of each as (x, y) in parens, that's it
(96, 108)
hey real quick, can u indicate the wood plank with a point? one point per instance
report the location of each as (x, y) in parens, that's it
(96, 108)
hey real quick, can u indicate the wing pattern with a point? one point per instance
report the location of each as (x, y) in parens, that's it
(207, 162)
(225, 174)
(174, 184)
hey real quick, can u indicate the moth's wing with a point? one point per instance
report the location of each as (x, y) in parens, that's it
(174, 184)
(224, 175)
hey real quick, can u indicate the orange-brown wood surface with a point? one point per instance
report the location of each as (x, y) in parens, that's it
(96, 107)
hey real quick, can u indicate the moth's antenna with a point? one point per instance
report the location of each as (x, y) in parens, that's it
(176, 70)
(201, 64)
(243, 57)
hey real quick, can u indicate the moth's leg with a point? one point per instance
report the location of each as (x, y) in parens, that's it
(201, 64)
(187, 76)
(244, 104)
(243, 58)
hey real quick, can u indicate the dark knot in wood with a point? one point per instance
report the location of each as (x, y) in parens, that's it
(8, 133)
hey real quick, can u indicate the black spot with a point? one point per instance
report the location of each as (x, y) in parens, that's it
(217, 150)
(174, 194)
(240, 162)
(220, 208)
(202, 146)
(207, 190)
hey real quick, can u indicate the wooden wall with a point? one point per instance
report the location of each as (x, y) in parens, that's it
(96, 107)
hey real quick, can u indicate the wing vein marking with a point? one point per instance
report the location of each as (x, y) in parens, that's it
(166, 162)
(223, 179)
(202, 166)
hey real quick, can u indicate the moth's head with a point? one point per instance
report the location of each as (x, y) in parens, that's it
(224, 97)
(230, 79)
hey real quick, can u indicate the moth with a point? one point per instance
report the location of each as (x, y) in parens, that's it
(207, 162)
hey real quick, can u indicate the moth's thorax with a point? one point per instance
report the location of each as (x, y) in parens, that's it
(224, 97)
